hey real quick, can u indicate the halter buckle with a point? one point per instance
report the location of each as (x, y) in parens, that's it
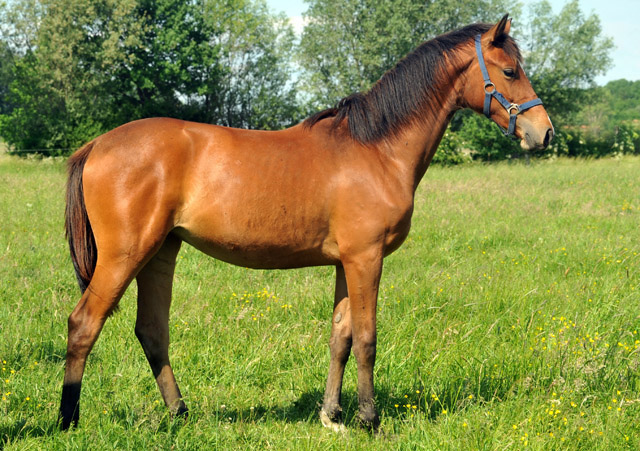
(489, 88)
(513, 106)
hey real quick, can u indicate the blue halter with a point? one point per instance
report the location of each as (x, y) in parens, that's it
(490, 91)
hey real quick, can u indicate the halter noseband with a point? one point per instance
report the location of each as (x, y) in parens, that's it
(490, 91)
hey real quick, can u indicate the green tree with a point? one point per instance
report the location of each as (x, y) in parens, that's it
(564, 54)
(90, 66)
(608, 123)
(162, 71)
(253, 87)
(623, 100)
(57, 88)
(6, 76)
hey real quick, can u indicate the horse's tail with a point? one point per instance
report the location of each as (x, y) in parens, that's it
(82, 243)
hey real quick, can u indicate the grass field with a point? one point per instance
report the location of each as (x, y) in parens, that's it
(508, 320)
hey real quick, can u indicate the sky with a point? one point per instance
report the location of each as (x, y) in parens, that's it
(618, 18)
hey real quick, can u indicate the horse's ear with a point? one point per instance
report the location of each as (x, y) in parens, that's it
(499, 30)
(507, 24)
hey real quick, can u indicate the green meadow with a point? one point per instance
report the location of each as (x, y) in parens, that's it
(509, 319)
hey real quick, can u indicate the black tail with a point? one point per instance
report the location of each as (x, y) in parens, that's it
(82, 244)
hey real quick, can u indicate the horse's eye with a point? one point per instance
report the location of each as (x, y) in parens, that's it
(509, 73)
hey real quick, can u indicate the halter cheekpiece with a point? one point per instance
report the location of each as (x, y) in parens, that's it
(490, 91)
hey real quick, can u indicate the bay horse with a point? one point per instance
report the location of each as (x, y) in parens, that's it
(337, 189)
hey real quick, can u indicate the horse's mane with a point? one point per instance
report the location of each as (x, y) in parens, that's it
(401, 92)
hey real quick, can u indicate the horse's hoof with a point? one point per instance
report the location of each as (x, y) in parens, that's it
(65, 425)
(369, 419)
(68, 419)
(335, 426)
(65, 422)
(182, 412)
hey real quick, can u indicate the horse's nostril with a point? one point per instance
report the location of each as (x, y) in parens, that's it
(548, 137)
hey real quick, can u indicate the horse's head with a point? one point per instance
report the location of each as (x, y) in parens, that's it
(497, 86)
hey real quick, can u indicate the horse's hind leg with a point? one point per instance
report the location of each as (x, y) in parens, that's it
(108, 283)
(152, 325)
(340, 348)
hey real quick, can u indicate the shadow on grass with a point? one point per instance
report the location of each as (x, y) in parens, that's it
(306, 408)
(50, 352)
(453, 397)
(23, 428)
(22, 352)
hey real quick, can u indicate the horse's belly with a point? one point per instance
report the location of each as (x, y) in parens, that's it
(258, 253)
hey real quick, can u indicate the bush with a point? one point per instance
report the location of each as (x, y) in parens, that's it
(627, 138)
(585, 141)
(451, 152)
(486, 141)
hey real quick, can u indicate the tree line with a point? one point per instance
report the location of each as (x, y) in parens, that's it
(73, 69)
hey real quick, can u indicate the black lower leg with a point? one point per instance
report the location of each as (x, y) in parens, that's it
(70, 406)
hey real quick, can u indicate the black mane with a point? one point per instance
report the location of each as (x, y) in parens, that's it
(401, 92)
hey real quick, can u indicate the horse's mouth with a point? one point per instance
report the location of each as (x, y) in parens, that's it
(530, 142)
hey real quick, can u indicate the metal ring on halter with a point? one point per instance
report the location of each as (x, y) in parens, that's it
(513, 106)
(489, 85)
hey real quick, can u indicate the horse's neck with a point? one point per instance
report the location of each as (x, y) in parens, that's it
(417, 144)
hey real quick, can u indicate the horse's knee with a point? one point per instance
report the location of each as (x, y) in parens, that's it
(364, 347)
(340, 347)
(155, 346)
(141, 335)
(151, 339)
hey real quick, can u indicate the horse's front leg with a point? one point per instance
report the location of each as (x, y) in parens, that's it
(363, 278)
(340, 348)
